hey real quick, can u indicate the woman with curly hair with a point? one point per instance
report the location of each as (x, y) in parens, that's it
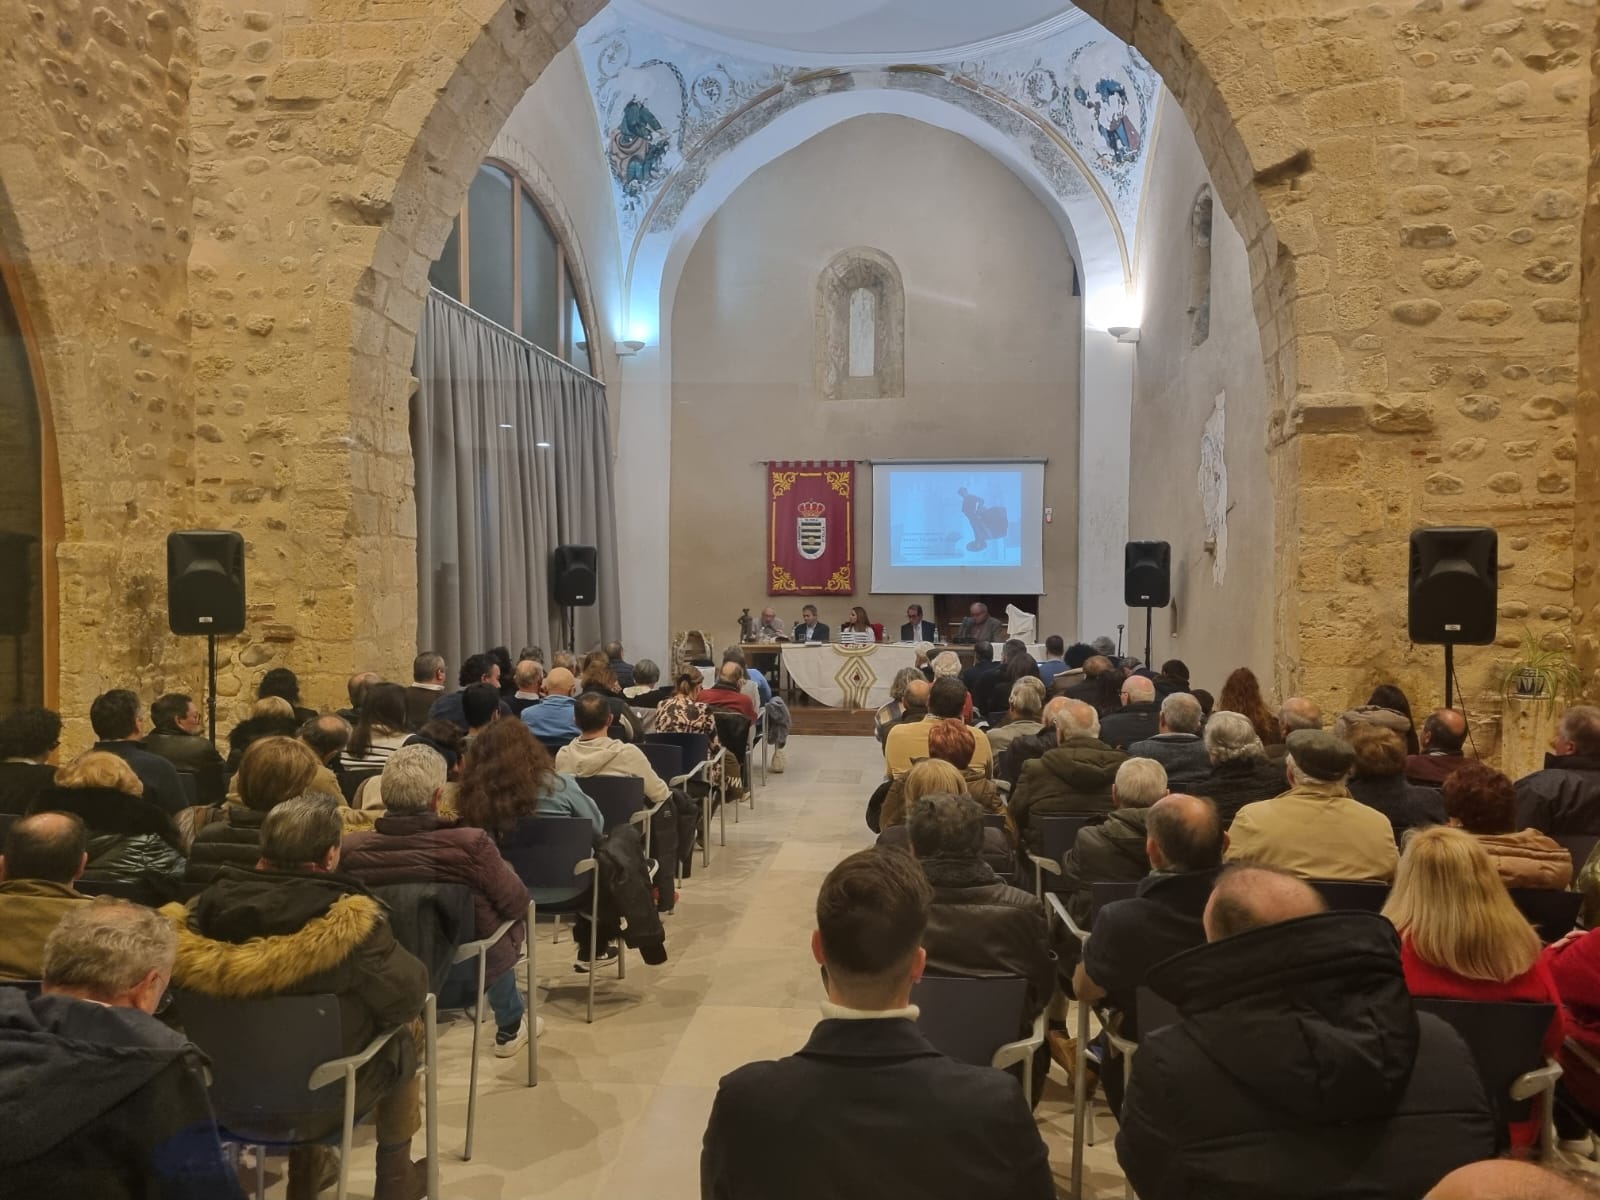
(1482, 801)
(1241, 693)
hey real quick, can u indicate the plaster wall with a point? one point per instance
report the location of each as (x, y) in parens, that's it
(991, 363)
(1212, 626)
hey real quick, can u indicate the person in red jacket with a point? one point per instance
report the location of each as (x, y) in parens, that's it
(413, 844)
(1461, 937)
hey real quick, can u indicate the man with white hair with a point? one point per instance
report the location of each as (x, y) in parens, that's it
(530, 686)
(1564, 798)
(1177, 745)
(1023, 709)
(1075, 777)
(411, 843)
(1114, 850)
(1137, 719)
(1023, 750)
(1315, 830)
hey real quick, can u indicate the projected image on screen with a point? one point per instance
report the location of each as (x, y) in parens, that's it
(955, 518)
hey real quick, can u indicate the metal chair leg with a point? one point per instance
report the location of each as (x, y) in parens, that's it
(533, 1000)
(594, 936)
(1079, 1101)
(430, 1057)
(348, 1133)
(261, 1173)
(472, 1084)
(722, 808)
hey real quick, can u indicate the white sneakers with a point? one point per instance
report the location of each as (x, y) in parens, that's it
(776, 767)
(506, 1047)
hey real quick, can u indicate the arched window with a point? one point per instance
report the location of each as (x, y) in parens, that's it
(505, 261)
(861, 327)
(1200, 268)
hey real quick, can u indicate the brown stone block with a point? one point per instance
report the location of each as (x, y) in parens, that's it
(307, 79)
(1380, 102)
(1328, 61)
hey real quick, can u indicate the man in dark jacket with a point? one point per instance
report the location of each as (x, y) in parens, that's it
(1300, 1067)
(413, 844)
(1075, 777)
(1565, 796)
(1023, 750)
(1177, 745)
(1442, 736)
(1138, 718)
(177, 738)
(119, 724)
(426, 689)
(868, 1100)
(97, 1097)
(1114, 850)
(28, 737)
(1241, 772)
(981, 677)
(293, 927)
(478, 668)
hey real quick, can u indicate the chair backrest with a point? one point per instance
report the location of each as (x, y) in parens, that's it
(122, 889)
(1580, 846)
(733, 731)
(1054, 835)
(1349, 895)
(262, 1054)
(969, 1019)
(544, 851)
(554, 742)
(695, 747)
(1552, 913)
(1506, 1039)
(191, 787)
(1102, 894)
(430, 920)
(665, 760)
(617, 796)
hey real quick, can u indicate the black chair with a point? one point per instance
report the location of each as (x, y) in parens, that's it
(554, 744)
(277, 1065)
(1052, 836)
(1554, 914)
(694, 751)
(666, 761)
(620, 799)
(1102, 894)
(1350, 895)
(1507, 1039)
(975, 1020)
(478, 951)
(1580, 846)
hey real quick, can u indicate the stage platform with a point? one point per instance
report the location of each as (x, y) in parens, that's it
(818, 720)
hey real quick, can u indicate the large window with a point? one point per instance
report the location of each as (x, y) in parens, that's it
(504, 261)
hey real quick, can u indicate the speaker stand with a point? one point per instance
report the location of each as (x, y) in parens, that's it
(1149, 617)
(1449, 674)
(211, 684)
(569, 628)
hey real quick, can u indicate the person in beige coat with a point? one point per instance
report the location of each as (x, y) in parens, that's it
(1482, 801)
(595, 752)
(1315, 830)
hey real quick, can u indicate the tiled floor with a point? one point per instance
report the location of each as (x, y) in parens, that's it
(621, 1104)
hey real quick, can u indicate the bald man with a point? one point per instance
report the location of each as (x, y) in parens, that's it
(728, 692)
(1138, 719)
(1442, 737)
(1508, 1179)
(1297, 712)
(1300, 1064)
(45, 854)
(769, 628)
(552, 719)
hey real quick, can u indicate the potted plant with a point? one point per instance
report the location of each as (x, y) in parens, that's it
(1537, 673)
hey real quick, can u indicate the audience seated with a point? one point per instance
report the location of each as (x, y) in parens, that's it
(1184, 841)
(1461, 937)
(1483, 802)
(1574, 966)
(1315, 830)
(596, 752)
(285, 684)
(1443, 734)
(1378, 781)
(947, 665)
(356, 688)
(379, 731)
(1172, 678)
(597, 679)
(908, 742)
(1301, 1068)
(177, 737)
(1565, 796)
(1137, 719)
(1075, 777)
(728, 692)
(1242, 772)
(980, 678)
(327, 735)
(45, 854)
(647, 690)
(875, 1100)
(951, 741)
(1023, 708)
(1029, 746)
(682, 712)
(1388, 708)
(1114, 850)
(1509, 1179)
(272, 716)
(1241, 693)
(1177, 745)
(411, 843)
(274, 769)
(505, 683)
(478, 668)
(1054, 663)
(118, 724)
(131, 840)
(552, 720)
(978, 925)
(1297, 712)
(480, 704)
(621, 670)
(427, 686)
(892, 713)
(28, 737)
(295, 927)
(1101, 686)
(763, 688)
(529, 677)
(1077, 676)
(101, 1101)
(937, 776)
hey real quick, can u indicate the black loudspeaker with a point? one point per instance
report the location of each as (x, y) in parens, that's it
(1147, 575)
(1455, 583)
(572, 575)
(205, 581)
(16, 583)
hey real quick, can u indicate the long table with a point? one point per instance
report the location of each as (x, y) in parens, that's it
(842, 676)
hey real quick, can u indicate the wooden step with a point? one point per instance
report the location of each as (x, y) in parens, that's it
(832, 722)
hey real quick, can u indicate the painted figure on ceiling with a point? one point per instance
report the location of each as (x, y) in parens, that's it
(1109, 104)
(638, 145)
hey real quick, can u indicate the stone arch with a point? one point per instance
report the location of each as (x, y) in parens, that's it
(860, 271)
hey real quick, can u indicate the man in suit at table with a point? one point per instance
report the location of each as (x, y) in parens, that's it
(979, 626)
(916, 629)
(810, 629)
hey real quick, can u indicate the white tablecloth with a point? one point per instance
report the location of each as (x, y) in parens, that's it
(847, 676)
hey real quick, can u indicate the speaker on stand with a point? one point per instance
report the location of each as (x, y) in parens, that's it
(1147, 581)
(205, 593)
(574, 578)
(1454, 591)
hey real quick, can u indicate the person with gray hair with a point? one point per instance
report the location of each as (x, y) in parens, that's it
(622, 670)
(413, 844)
(1564, 798)
(1138, 719)
(979, 925)
(888, 716)
(646, 678)
(1177, 745)
(1114, 850)
(296, 927)
(1241, 773)
(102, 1099)
(529, 678)
(1024, 707)
(1297, 712)
(1074, 778)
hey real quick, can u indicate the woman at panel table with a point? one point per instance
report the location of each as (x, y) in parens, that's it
(858, 623)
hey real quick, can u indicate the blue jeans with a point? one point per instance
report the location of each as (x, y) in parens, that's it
(502, 993)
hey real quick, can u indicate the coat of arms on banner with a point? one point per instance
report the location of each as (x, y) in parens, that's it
(811, 530)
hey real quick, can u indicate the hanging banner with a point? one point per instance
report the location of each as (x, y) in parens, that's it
(811, 529)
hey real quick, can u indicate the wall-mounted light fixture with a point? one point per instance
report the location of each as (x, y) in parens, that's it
(1128, 335)
(629, 348)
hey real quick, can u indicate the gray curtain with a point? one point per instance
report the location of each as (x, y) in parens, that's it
(491, 501)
